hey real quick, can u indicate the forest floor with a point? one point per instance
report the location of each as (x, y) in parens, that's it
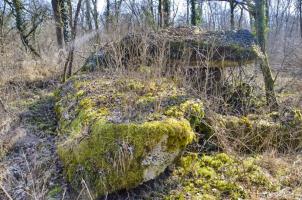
(30, 168)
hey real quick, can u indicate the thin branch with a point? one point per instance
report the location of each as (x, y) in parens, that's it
(6, 193)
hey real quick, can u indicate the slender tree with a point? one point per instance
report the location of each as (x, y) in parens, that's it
(300, 15)
(164, 12)
(167, 12)
(95, 14)
(66, 20)
(73, 31)
(88, 14)
(107, 14)
(21, 26)
(56, 7)
(188, 12)
(151, 7)
(240, 18)
(195, 13)
(2, 16)
(148, 11)
(232, 8)
(261, 32)
(117, 9)
(200, 9)
(160, 13)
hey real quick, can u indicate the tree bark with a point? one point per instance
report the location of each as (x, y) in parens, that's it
(69, 62)
(240, 18)
(261, 26)
(88, 14)
(2, 25)
(56, 7)
(66, 19)
(160, 13)
(188, 12)
(300, 15)
(166, 12)
(193, 13)
(20, 23)
(117, 9)
(232, 8)
(200, 10)
(95, 14)
(151, 9)
(107, 14)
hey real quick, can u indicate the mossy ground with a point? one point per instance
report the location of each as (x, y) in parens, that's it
(225, 176)
(218, 176)
(42, 116)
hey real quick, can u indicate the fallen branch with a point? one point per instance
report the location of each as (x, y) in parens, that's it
(6, 193)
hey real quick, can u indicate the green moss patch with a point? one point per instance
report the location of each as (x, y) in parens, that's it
(118, 133)
(41, 114)
(218, 176)
(115, 156)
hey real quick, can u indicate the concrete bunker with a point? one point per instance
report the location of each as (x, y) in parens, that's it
(190, 51)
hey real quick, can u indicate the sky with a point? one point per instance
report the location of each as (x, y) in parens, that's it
(180, 3)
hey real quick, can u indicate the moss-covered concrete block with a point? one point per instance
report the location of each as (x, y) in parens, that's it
(118, 133)
(182, 47)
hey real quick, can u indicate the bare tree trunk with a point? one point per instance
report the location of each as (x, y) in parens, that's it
(56, 6)
(151, 9)
(267, 17)
(2, 25)
(232, 20)
(277, 17)
(107, 14)
(149, 14)
(82, 18)
(69, 62)
(252, 25)
(188, 12)
(66, 18)
(88, 14)
(117, 9)
(194, 13)
(212, 19)
(167, 12)
(21, 26)
(164, 11)
(300, 15)
(160, 13)
(70, 12)
(95, 14)
(240, 18)
(96, 19)
(200, 11)
(261, 24)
